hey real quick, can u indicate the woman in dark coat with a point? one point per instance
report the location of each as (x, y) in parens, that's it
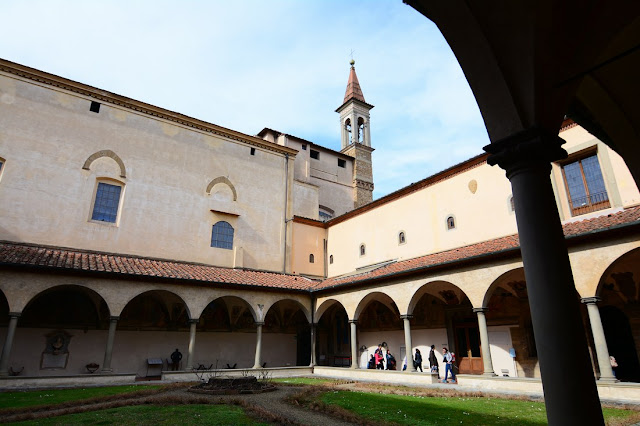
(433, 361)
(417, 362)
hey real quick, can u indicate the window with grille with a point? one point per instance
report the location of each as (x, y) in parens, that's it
(222, 235)
(105, 206)
(585, 185)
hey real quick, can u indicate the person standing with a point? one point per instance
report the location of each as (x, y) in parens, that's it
(433, 361)
(448, 366)
(176, 356)
(417, 362)
(379, 357)
(391, 361)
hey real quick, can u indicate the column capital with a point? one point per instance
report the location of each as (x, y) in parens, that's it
(114, 318)
(404, 317)
(590, 300)
(482, 309)
(534, 146)
(194, 320)
(259, 323)
(354, 321)
(15, 314)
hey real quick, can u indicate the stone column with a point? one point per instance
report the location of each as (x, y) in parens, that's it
(313, 345)
(484, 342)
(354, 344)
(8, 343)
(258, 361)
(407, 342)
(192, 342)
(106, 364)
(570, 392)
(602, 351)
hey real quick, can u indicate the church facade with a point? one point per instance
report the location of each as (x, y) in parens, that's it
(128, 231)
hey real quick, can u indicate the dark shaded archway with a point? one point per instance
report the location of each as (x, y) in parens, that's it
(332, 335)
(286, 327)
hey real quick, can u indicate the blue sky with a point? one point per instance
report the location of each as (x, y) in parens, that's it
(282, 64)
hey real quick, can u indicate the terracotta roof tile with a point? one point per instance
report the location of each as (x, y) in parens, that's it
(71, 259)
(599, 223)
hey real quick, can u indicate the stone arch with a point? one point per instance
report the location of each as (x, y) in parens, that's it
(379, 296)
(71, 304)
(304, 309)
(166, 300)
(225, 181)
(445, 291)
(324, 306)
(511, 281)
(231, 314)
(228, 301)
(4, 309)
(106, 153)
(622, 281)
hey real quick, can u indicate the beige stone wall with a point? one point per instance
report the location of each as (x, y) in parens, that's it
(46, 136)
(422, 217)
(308, 240)
(305, 200)
(621, 187)
(132, 348)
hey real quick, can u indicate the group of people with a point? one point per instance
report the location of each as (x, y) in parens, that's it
(448, 359)
(379, 360)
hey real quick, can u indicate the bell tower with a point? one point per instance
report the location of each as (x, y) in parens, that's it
(356, 138)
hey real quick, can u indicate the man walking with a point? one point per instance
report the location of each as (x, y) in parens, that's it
(448, 366)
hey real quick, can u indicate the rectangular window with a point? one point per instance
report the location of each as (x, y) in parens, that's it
(95, 106)
(342, 163)
(304, 147)
(585, 186)
(315, 155)
(253, 151)
(105, 208)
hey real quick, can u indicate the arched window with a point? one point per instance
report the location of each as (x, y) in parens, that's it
(331, 259)
(451, 222)
(363, 250)
(311, 258)
(401, 238)
(222, 235)
(360, 130)
(512, 204)
(347, 127)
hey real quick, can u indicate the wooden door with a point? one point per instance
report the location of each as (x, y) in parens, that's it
(468, 354)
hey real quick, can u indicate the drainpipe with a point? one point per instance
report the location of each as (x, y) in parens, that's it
(286, 202)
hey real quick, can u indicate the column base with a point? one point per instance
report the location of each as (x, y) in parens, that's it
(489, 374)
(608, 380)
(255, 367)
(106, 371)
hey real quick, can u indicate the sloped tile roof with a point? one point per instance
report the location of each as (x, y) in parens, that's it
(497, 245)
(21, 254)
(81, 260)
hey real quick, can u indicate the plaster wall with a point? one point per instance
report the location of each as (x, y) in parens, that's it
(305, 200)
(422, 217)
(167, 168)
(308, 240)
(132, 348)
(20, 288)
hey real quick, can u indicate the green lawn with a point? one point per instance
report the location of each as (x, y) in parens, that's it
(56, 396)
(302, 381)
(420, 410)
(151, 415)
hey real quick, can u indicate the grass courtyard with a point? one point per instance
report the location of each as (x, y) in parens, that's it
(358, 403)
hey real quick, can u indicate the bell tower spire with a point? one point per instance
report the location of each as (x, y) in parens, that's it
(356, 138)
